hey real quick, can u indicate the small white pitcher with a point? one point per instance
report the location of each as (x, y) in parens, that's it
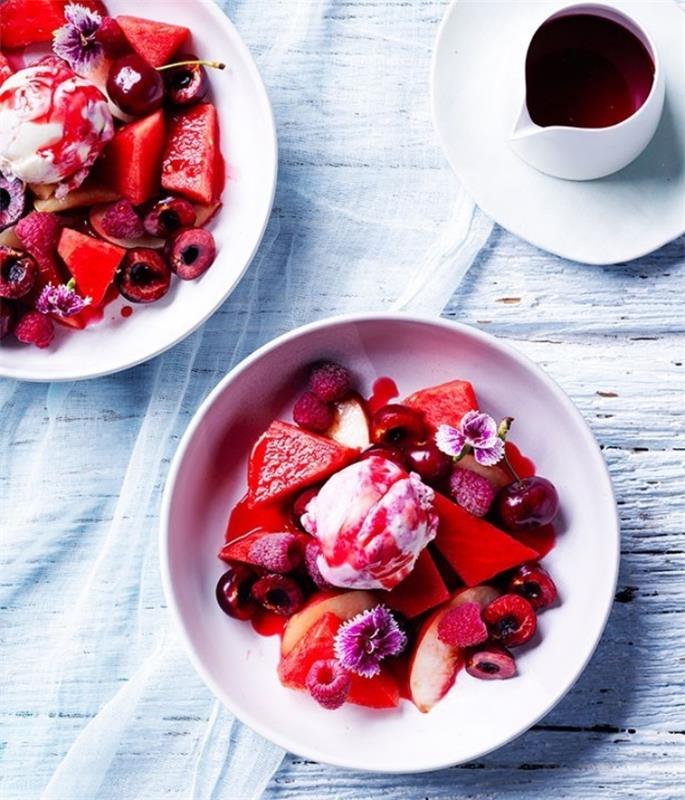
(583, 154)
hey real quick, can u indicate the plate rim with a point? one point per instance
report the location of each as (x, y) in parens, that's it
(197, 419)
(439, 43)
(271, 158)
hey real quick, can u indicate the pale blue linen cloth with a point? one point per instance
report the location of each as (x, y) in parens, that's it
(98, 700)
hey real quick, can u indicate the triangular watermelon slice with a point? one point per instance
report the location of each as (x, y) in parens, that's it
(444, 404)
(239, 549)
(131, 164)
(476, 549)
(91, 261)
(286, 459)
(26, 22)
(156, 42)
(381, 691)
(421, 590)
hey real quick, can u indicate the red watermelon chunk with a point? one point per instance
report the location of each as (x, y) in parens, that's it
(5, 68)
(192, 164)
(476, 549)
(382, 691)
(445, 404)
(91, 261)
(156, 42)
(25, 22)
(286, 459)
(423, 589)
(131, 162)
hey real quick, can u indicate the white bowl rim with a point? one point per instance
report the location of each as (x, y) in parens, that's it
(526, 363)
(262, 98)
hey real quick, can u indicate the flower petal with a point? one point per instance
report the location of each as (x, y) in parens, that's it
(489, 456)
(480, 430)
(449, 440)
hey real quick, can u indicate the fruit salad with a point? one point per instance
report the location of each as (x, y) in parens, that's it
(390, 544)
(110, 164)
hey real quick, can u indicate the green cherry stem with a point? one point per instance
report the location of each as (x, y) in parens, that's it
(502, 431)
(212, 64)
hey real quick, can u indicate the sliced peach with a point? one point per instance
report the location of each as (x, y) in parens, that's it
(499, 476)
(87, 195)
(9, 238)
(351, 425)
(434, 665)
(344, 605)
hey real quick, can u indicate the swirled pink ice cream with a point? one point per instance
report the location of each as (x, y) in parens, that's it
(372, 520)
(53, 125)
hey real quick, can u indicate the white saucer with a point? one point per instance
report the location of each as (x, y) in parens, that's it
(475, 91)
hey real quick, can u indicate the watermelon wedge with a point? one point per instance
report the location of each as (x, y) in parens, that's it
(91, 261)
(286, 459)
(476, 549)
(156, 42)
(192, 164)
(239, 549)
(420, 591)
(25, 22)
(444, 404)
(381, 691)
(131, 162)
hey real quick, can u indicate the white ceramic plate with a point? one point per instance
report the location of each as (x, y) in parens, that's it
(248, 142)
(208, 475)
(477, 88)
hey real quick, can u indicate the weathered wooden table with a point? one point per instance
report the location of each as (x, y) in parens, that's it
(364, 197)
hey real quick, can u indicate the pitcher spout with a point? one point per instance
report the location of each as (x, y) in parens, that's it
(524, 127)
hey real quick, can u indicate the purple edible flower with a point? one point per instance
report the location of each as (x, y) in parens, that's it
(477, 432)
(62, 300)
(75, 42)
(364, 641)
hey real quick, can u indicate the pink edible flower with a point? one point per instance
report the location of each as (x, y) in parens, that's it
(75, 42)
(62, 300)
(364, 641)
(477, 433)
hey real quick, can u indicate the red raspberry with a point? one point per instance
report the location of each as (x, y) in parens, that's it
(312, 413)
(510, 619)
(35, 328)
(311, 554)
(462, 626)
(277, 552)
(328, 683)
(471, 491)
(121, 221)
(330, 382)
(112, 38)
(39, 233)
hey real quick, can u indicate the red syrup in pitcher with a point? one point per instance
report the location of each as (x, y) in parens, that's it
(586, 71)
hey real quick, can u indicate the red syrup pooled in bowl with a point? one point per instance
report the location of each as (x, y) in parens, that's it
(586, 71)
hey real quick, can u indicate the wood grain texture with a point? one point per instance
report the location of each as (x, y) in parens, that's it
(364, 193)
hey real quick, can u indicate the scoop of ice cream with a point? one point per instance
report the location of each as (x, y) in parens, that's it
(53, 125)
(372, 519)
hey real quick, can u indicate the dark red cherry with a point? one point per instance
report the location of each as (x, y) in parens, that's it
(396, 424)
(144, 276)
(527, 503)
(185, 84)
(430, 463)
(393, 454)
(8, 317)
(135, 86)
(234, 592)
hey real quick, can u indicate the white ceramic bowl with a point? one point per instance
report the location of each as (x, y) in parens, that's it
(208, 475)
(248, 142)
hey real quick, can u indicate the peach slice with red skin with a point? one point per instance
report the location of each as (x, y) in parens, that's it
(344, 605)
(434, 665)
